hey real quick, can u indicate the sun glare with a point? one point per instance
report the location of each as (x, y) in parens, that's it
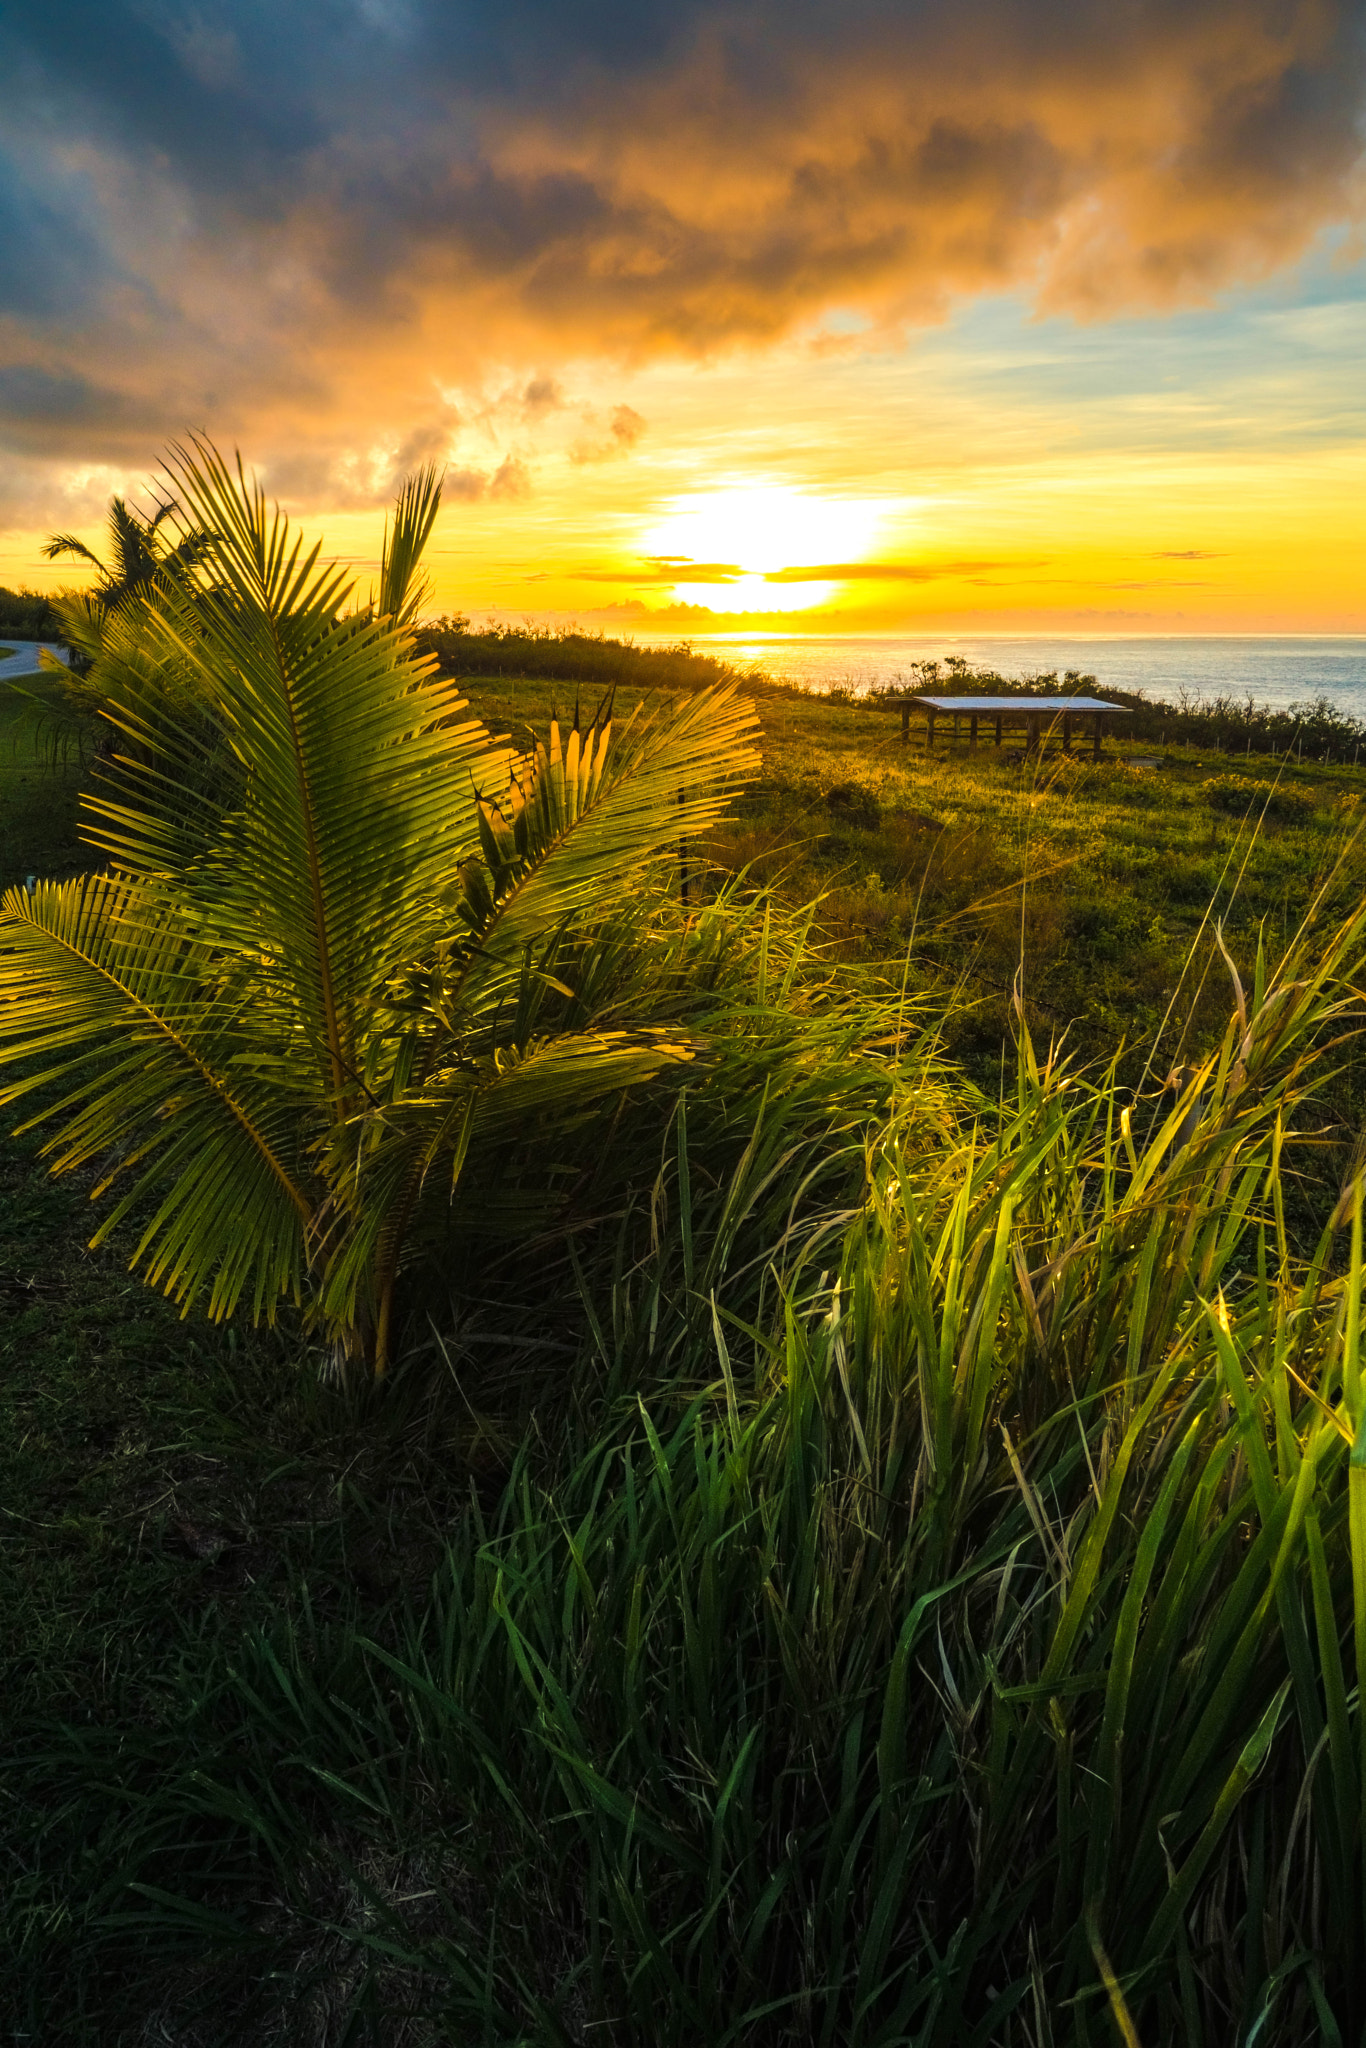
(751, 530)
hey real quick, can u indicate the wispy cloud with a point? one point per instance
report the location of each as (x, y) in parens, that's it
(624, 428)
(666, 569)
(889, 572)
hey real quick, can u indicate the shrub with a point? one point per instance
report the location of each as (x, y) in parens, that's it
(1241, 796)
(28, 615)
(589, 658)
(854, 804)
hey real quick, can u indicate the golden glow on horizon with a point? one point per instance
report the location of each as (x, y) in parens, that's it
(966, 508)
(758, 528)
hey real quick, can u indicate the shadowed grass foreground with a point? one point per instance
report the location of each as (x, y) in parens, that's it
(948, 1630)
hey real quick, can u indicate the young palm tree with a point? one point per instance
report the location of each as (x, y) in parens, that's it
(290, 1024)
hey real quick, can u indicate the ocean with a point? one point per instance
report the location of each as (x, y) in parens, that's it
(1273, 671)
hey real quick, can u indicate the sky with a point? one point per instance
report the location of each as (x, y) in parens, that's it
(976, 315)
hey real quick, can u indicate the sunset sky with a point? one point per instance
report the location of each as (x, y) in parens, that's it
(983, 315)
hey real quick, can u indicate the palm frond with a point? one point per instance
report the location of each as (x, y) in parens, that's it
(134, 549)
(82, 620)
(123, 1002)
(586, 814)
(401, 594)
(67, 544)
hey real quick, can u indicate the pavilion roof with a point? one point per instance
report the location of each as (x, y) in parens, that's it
(993, 704)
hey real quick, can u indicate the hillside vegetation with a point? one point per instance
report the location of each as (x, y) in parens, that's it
(28, 615)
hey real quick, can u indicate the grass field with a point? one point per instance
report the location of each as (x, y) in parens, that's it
(939, 1623)
(1102, 874)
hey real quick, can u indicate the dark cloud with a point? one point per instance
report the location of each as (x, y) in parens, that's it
(542, 395)
(466, 485)
(275, 212)
(44, 410)
(511, 479)
(51, 262)
(430, 441)
(322, 476)
(1186, 555)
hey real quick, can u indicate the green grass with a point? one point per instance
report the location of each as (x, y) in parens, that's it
(38, 804)
(1106, 873)
(918, 1582)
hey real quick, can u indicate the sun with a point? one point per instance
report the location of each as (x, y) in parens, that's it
(754, 529)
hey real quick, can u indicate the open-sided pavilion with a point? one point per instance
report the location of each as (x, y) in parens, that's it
(1034, 716)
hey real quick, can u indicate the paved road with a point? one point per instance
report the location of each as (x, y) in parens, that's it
(24, 660)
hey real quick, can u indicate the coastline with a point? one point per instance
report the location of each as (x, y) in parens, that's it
(1274, 669)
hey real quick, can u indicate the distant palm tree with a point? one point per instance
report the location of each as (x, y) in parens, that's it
(136, 551)
(136, 554)
(103, 625)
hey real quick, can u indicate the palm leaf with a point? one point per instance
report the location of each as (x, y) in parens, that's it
(82, 620)
(68, 544)
(587, 814)
(120, 1000)
(134, 548)
(401, 595)
(360, 796)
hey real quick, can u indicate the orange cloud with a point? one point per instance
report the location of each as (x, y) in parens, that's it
(307, 239)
